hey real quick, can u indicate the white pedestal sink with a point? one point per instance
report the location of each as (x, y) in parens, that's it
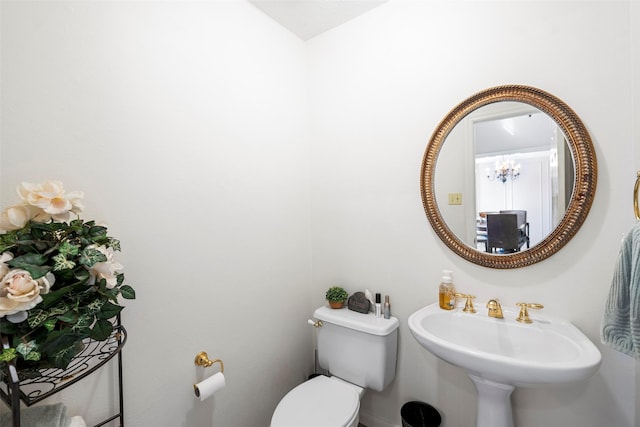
(502, 354)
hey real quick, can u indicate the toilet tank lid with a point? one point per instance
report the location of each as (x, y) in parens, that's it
(367, 323)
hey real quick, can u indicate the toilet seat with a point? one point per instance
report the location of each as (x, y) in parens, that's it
(320, 402)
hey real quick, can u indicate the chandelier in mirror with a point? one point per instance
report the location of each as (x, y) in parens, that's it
(505, 169)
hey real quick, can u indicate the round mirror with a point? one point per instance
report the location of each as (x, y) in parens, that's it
(508, 177)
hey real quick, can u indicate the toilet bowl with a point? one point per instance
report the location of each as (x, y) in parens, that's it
(320, 402)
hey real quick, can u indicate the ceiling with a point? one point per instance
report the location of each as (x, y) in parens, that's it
(308, 18)
(523, 133)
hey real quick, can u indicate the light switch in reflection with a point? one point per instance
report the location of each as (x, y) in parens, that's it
(455, 198)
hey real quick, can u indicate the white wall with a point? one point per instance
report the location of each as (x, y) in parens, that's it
(186, 125)
(379, 86)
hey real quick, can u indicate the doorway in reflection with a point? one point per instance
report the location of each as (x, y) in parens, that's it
(519, 165)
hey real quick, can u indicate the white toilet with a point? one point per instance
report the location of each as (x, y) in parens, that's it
(360, 351)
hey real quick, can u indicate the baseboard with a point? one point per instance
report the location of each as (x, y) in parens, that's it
(372, 421)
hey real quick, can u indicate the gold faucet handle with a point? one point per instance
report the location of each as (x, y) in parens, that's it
(468, 305)
(523, 316)
(495, 309)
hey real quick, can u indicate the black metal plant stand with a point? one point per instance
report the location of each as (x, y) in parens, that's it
(32, 390)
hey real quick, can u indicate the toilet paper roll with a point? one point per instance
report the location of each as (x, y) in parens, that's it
(206, 388)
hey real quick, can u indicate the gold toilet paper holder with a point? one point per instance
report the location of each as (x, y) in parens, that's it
(202, 359)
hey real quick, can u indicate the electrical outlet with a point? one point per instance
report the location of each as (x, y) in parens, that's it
(455, 198)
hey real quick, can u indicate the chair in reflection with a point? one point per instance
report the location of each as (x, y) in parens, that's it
(507, 231)
(523, 225)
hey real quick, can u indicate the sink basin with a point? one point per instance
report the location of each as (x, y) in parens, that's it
(501, 354)
(544, 352)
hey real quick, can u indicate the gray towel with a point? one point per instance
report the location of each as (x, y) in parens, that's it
(620, 327)
(40, 416)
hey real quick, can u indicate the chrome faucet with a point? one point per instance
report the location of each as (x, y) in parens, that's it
(495, 309)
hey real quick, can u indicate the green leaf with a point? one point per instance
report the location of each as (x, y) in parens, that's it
(33, 263)
(62, 263)
(33, 356)
(60, 309)
(25, 348)
(68, 317)
(50, 324)
(114, 244)
(77, 223)
(95, 306)
(127, 292)
(7, 241)
(53, 297)
(37, 272)
(98, 232)
(109, 311)
(112, 293)
(81, 274)
(59, 339)
(63, 356)
(83, 323)
(36, 317)
(27, 259)
(46, 226)
(101, 330)
(90, 256)
(68, 249)
(7, 354)
(101, 284)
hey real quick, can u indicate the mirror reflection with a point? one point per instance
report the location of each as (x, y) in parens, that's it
(508, 176)
(504, 159)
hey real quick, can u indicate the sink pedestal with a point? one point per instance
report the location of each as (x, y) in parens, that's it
(494, 403)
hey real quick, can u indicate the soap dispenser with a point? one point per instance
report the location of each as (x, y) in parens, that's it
(447, 291)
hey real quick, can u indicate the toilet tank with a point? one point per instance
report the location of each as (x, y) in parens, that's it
(359, 348)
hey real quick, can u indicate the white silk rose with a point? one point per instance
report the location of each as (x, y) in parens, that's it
(16, 217)
(46, 282)
(107, 270)
(51, 199)
(4, 268)
(20, 292)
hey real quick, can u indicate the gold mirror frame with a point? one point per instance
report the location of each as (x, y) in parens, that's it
(584, 158)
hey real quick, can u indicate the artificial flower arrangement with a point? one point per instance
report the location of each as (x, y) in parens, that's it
(59, 280)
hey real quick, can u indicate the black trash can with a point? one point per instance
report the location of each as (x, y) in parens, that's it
(419, 414)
